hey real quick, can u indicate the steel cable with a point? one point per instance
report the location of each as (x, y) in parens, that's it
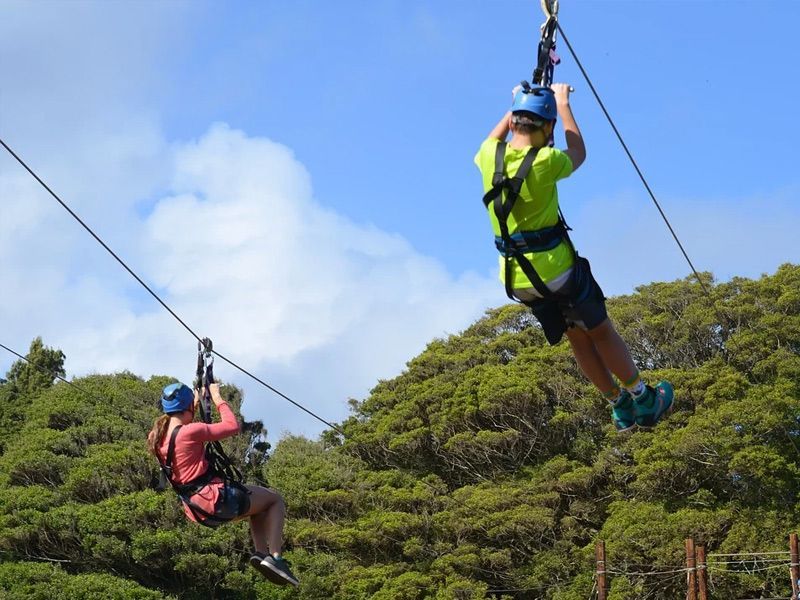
(630, 157)
(151, 292)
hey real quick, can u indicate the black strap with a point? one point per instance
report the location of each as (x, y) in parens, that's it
(218, 461)
(543, 73)
(499, 164)
(171, 451)
(205, 377)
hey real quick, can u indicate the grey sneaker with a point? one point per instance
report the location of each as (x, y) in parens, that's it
(279, 568)
(255, 561)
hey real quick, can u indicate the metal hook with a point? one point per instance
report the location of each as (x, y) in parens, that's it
(550, 8)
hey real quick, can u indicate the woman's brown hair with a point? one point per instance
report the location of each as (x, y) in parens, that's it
(157, 433)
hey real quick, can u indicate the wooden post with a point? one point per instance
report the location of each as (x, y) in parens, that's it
(702, 573)
(600, 561)
(794, 567)
(691, 570)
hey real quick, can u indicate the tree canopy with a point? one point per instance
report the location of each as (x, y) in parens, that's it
(487, 469)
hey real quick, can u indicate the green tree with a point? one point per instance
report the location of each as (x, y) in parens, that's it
(488, 468)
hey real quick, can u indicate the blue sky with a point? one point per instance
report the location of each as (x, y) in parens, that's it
(323, 152)
(385, 102)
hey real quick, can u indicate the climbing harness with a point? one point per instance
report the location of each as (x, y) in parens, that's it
(514, 246)
(186, 490)
(220, 465)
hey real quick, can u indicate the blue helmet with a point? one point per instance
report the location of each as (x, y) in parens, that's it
(536, 99)
(176, 397)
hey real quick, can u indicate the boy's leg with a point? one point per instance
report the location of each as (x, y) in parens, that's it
(593, 367)
(587, 307)
(650, 403)
(613, 352)
(590, 361)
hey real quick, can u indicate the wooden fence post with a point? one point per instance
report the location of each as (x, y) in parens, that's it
(794, 567)
(600, 562)
(691, 570)
(702, 573)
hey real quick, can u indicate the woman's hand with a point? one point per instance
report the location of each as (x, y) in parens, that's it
(216, 396)
(196, 401)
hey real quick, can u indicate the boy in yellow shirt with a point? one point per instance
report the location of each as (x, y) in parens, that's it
(539, 265)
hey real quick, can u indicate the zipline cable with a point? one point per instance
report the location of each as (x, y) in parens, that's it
(96, 237)
(53, 374)
(630, 157)
(152, 293)
(717, 311)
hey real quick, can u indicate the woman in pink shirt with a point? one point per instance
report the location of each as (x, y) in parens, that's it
(179, 444)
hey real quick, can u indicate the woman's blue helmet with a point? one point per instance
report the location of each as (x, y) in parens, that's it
(536, 99)
(176, 397)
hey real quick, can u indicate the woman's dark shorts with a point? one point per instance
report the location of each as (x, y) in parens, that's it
(232, 503)
(580, 302)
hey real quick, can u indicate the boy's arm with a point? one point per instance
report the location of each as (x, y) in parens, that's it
(500, 131)
(576, 150)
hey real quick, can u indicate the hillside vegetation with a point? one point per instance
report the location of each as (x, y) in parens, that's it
(487, 469)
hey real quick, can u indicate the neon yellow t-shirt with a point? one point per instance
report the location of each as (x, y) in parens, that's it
(535, 208)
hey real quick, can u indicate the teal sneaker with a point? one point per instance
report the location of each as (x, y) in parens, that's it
(653, 404)
(622, 412)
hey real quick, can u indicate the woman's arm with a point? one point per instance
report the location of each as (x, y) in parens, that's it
(227, 427)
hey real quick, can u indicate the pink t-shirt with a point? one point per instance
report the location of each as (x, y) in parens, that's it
(190, 461)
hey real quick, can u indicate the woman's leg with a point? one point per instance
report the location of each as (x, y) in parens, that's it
(267, 514)
(612, 351)
(590, 361)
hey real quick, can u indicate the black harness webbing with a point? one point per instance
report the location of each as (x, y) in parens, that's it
(218, 460)
(546, 58)
(514, 247)
(186, 490)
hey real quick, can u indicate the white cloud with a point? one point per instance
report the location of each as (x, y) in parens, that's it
(241, 250)
(284, 284)
(234, 239)
(315, 304)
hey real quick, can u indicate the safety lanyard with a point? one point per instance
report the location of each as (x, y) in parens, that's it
(205, 376)
(218, 460)
(547, 58)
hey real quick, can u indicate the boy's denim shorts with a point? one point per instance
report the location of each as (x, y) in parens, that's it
(578, 303)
